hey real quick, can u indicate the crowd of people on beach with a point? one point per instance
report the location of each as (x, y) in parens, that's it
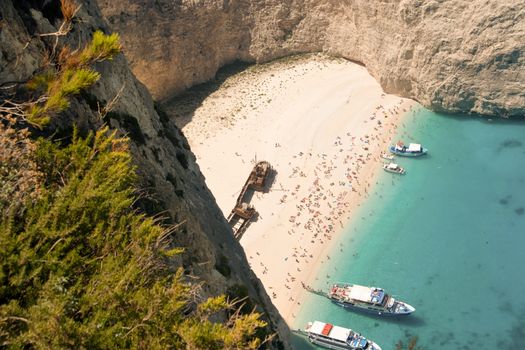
(319, 183)
(321, 198)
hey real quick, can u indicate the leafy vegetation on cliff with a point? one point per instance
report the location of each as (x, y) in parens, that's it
(80, 268)
(73, 75)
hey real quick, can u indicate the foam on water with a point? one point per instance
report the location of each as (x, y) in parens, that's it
(448, 238)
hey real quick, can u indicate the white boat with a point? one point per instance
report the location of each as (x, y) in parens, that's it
(334, 337)
(368, 299)
(387, 156)
(394, 168)
(413, 149)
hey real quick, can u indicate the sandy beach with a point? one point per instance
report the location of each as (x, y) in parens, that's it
(322, 123)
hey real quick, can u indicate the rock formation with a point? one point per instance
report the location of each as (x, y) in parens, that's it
(452, 56)
(168, 172)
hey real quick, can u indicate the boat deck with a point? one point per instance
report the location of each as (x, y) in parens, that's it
(363, 294)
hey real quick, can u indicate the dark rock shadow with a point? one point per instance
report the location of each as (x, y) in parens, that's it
(463, 117)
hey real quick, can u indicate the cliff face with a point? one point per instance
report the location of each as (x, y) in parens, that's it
(452, 56)
(167, 169)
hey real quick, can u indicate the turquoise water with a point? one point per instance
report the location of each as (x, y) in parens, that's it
(448, 238)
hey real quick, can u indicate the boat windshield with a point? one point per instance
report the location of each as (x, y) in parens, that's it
(392, 166)
(400, 146)
(377, 295)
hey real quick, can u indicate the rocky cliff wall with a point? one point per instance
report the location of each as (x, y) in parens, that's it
(173, 184)
(452, 56)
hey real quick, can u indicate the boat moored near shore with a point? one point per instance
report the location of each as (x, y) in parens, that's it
(413, 149)
(335, 337)
(368, 299)
(394, 168)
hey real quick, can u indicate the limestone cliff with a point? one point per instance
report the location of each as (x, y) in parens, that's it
(453, 56)
(172, 180)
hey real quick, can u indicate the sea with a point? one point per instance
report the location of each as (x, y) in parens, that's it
(448, 238)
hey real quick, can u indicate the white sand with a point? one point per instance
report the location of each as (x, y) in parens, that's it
(322, 124)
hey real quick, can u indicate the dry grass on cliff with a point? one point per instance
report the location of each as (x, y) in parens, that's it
(20, 178)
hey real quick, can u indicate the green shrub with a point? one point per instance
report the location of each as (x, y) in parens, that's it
(81, 269)
(75, 80)
(72, 77)
(102, 47)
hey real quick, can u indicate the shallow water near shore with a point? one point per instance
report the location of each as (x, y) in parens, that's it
(448, 238)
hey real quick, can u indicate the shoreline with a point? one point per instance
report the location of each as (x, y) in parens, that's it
(372, 174)
(369, 177)
(322, 124)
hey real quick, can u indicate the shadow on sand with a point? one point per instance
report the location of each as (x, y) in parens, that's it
(183, 106)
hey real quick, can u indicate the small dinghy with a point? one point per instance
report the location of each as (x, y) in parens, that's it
(387, 156)
(394, 168)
